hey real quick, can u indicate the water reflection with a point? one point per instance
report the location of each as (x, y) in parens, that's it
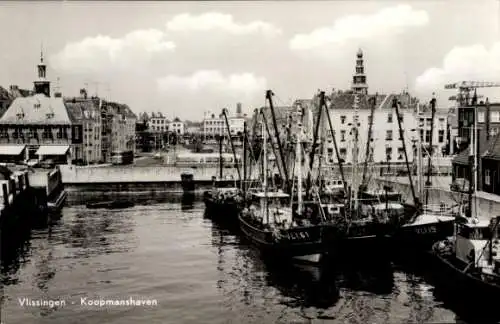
(372, 277)
(138, 198)
(14, 250)
(187, 202)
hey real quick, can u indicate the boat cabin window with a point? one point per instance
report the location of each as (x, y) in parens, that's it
(474, 233)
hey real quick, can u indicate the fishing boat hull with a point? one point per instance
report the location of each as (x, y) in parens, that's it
(288, 244)
(368, 241)
(460, 283)
(421, 235)
(222, 212)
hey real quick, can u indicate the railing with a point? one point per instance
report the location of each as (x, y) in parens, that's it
(441, 209)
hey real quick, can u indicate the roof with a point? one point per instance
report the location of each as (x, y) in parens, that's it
(345, 100)
(493, 149)
(121, 109)
(5, 94)
(37, 109)
(82, 109)
(271, 194)
(462, 158)
(11, 149)
(52, 150)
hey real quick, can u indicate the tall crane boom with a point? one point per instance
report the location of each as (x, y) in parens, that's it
(464, 96)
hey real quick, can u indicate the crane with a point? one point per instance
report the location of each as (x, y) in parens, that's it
(465, 89)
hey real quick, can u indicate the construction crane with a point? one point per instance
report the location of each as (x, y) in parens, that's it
(465, 89)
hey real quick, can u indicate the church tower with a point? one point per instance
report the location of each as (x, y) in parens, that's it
(42, 85)
(359, 85)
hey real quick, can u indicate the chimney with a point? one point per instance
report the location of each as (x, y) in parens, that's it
(83, 93)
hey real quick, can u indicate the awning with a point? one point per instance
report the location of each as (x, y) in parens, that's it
(11, 149)
(52, 150)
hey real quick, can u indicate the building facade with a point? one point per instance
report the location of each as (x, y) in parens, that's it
(158, 123)
(118, 131)
(385, 145)
(85, 115)
(39, 125)
(177, 127)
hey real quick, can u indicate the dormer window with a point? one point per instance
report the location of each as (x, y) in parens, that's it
(50, 115)
(37, 105)
(20, 115)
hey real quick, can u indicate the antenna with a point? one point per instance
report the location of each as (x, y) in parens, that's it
(41, 52)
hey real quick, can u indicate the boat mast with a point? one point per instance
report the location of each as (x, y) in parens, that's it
(236, 162)
(244, 184)
(355, 120)
(419, 154)
(315, 144)
(269, 97)
(298, 154)
(416, 200)
(264, 158)
(334, 140)
(221, 161)
(364, 185)
(430, 151)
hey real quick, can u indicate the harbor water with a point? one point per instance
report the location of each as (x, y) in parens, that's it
(182, 268)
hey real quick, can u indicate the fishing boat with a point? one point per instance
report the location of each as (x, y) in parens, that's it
(113, 204)
(429, 223)
(274, 227)
(225, 200)
(469, 259)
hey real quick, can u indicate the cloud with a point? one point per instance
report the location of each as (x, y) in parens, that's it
(386, 22)
(95, 54)
(219, 21)
(213, 80)
(474, 63)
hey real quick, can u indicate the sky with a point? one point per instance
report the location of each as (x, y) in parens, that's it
(186, 58)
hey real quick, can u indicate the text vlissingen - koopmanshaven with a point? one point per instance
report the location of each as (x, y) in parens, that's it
(87, 301)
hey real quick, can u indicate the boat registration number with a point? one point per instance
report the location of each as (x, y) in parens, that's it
(426, 230)
(297, 236)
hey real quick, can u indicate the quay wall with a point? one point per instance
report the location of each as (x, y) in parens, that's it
(487, 205)
(131, 174)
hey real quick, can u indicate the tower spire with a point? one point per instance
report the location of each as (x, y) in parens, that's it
(359, 85)
(42, 85)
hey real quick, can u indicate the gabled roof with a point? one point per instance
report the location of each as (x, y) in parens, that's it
(5, 94)
(462, 158)
(37, 109)
(493, 149)
(81, 109)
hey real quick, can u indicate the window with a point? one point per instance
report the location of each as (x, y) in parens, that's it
(487, 179)
(495, 116)
(342, 119)
(441, 136)
(343, 152)
(342, 135)
(370, 119)
(389, 117)
(422, 135)
(388, 135)
(388, 153)
(401, 119)
(480, 117)
(428, 136)
(429, 122)
(401, 153)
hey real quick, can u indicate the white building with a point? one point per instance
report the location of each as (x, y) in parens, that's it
(177, 127)
(386, 144)
(213, 126)
(158, 123)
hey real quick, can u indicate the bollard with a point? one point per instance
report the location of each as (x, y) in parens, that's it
(5, 194)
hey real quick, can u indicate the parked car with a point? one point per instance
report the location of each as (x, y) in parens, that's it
(460, 185)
